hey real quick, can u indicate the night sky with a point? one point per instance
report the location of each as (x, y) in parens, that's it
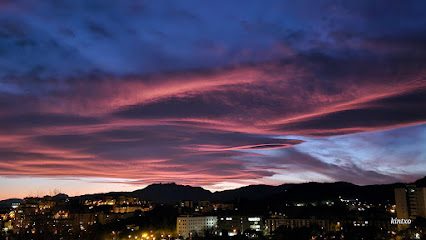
(102, 95)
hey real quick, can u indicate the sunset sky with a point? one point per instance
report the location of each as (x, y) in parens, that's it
(104, 95)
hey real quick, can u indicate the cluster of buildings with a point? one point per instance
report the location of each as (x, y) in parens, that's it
(410, 203)
(254, 226)
(217, 219)
(206, 217)
(120, 204)
(188, 226)
(206, 206)
(63, 217)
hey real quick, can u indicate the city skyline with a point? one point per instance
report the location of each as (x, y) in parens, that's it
(98, 96)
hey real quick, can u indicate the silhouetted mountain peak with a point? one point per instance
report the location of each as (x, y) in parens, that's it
(172, 193)
(60, 197)
(172, 187)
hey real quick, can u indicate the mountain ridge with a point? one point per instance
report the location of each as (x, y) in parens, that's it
(171, 193)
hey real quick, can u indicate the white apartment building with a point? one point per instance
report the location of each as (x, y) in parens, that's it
(187, 226)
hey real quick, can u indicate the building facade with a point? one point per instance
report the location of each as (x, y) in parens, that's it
(235, 224)
(273, 224)
(410, 202)
(195, 225)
